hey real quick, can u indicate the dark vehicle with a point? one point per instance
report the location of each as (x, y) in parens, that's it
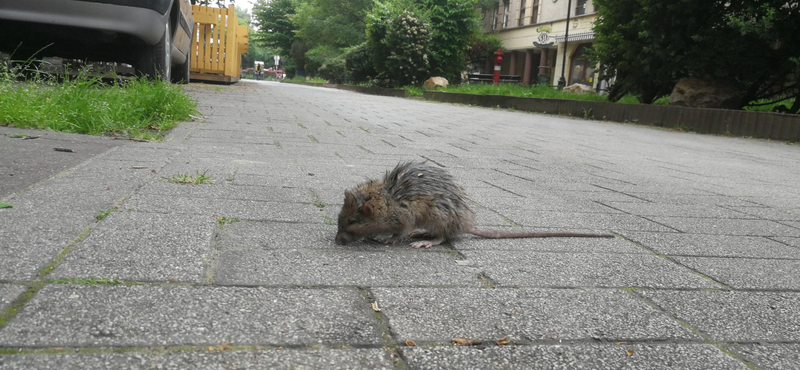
(154, 36)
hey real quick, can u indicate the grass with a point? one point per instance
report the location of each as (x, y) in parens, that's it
(198, 179)
(88, 281)
(226, 220)
(83, 104)
(768, 107)
(5, 205)
(307, 79)
(104, 213)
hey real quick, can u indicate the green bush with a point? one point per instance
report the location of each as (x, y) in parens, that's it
(358, 64)
(397, 42)
(333, 70)
(318, 56)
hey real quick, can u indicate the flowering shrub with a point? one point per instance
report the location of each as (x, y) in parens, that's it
(398, 42)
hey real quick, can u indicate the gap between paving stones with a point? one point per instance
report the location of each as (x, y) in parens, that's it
(40, 281)
(707, 338)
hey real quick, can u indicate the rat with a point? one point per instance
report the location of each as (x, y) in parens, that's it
(413, 197)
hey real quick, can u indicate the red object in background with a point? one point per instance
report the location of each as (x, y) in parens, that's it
(498, 62)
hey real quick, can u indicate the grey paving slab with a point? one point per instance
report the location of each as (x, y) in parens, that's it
(385, 266)
(735, 316)
(440, 314)
(713, 245)
(139, 246)
(682, 210)
(8, 293)
(577, 245)
(606, 356)
(28, 155)
(777, 214)
(728, 226)
(794, 242)
(770, 356)
(749, 273)
(597, 221)
(247, 235)
(79, 315)
(232, 208)
(227, 191)
(289, 359)
(512, 268)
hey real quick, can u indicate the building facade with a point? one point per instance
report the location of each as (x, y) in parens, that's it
(532, 32)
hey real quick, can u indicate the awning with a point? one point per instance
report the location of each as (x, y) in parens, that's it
(580, 36)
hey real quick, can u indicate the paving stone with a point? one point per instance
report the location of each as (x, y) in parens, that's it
(775, 214)
(140, 246)
(225, 191)
(268, 359)
(398, 265)
(247, 235)
(605, 356)
(232, 208)
(8, 293)
(713, 245)
(728, 226)
(749, 273)
(79, 315)
(770, 356)
(794, 242)
(597, 221)
(683, 210)
(577, 245)
(735, 316)
(440, 314)
(512, 268)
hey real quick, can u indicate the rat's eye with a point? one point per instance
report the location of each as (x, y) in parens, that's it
(351, 220)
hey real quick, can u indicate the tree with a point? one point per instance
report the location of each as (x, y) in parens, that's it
(650, 44)
(398, 39)
(336, 23)
(453, 23)
(275, 26)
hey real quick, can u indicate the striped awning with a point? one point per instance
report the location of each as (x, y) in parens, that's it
(580, 36)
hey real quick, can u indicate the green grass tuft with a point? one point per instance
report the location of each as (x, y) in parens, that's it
(5, 205)
(180, 178)
(83, 104)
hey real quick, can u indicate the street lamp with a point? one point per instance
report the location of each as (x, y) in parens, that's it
(562, 82)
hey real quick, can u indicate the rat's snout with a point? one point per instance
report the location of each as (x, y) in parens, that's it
(343, 238)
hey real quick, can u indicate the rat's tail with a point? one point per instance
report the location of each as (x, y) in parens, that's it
(507, 234)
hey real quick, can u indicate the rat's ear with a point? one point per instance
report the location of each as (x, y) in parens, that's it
(367, 208)
(349, 197)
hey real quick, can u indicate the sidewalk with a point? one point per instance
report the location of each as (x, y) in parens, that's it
(243, 272)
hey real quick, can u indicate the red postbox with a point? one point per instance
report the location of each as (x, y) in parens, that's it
(498, 62)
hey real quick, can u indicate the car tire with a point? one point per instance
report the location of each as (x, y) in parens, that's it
(156, 60)
(180, 73)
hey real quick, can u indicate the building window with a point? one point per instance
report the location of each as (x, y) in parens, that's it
(580, 9)
(505, 13)
(535, 12)
(581, 69)
(494, 17)
(521, 21)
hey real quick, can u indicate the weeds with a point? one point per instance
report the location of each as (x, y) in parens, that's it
(5, 205)
(86, 104)
(88, 281)
(104, 213)
(198, 179)
(226, 220)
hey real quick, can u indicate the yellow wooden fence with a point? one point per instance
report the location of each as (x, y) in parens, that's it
(219, 42)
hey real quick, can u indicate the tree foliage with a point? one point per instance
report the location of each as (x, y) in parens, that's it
(397, 43)
(274, 23)
(453, 24)
(338, 23)
(650, 44)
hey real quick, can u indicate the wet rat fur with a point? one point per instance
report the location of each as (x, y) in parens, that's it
(412, 197)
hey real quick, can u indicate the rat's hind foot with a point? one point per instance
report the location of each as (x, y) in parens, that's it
(421, 235)
(427, 243)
